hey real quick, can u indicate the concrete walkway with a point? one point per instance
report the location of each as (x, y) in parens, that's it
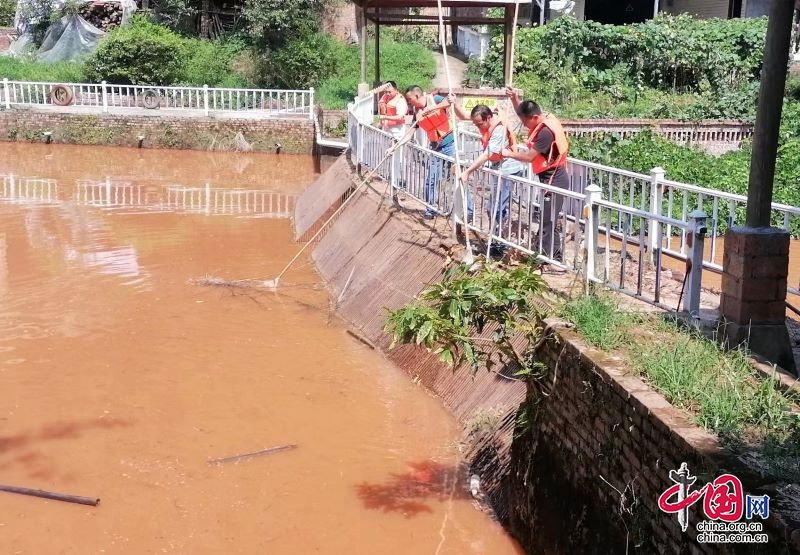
(457, 69)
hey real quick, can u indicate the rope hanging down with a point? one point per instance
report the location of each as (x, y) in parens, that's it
(458, 185)
(505, 123)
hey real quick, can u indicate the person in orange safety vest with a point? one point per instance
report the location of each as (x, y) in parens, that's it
(392, 110)
(496, 136)
(431, 114)
(547, 153)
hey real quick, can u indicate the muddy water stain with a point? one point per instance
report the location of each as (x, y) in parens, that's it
(120, 379)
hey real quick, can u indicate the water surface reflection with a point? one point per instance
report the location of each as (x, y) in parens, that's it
(121, 378)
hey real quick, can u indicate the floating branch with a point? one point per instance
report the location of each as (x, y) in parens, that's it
(93, 501)
(236, 458)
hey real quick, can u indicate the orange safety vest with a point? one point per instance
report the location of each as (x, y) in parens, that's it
(389, 108)
(559, 150)
(436, 124)
(485, 137)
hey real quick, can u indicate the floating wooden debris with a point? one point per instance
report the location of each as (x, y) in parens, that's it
(243, 456)
(93, 501)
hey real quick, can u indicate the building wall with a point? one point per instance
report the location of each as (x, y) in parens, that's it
(191, 133)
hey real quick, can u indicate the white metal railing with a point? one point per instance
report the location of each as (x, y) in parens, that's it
(538, 219)
(104, 96)
(648, 215)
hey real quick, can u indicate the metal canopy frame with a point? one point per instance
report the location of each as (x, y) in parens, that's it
(396, 12)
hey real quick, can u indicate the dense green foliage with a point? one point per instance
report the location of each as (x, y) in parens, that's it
(304, 62)
(406, 63)
(8, 8)
(138, 53)
(671, 66)
(274, 23)
(143, 52)
(211, 63)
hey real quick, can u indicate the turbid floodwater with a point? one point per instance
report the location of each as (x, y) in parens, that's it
(121, 377)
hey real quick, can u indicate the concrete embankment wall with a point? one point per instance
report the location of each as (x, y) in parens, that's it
(295, 136)
(592, 446)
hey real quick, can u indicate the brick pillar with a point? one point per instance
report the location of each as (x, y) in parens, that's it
(755, 267)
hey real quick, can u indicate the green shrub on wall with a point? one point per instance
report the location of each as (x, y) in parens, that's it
(138, 53)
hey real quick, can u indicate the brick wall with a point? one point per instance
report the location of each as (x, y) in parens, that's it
(296, 136)
(594, 457)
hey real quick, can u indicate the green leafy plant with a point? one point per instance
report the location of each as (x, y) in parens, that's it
(302, 63)
(205, 62)
(138, 53)
(671, 66)
(274, 23)
(474, 311)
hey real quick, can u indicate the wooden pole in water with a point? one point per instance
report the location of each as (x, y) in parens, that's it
(93, 501)
(236, 458)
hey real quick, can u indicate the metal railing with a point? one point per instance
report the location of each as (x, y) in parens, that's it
(647, 217)
(573, 228)
(103, 96)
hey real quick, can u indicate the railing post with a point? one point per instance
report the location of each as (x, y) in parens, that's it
(593, 194)
(6, 94)
(105, 96)
(656, 194)
(311, 103)
(205, 99)
(696, 239)
(208, 198)
(360, 142)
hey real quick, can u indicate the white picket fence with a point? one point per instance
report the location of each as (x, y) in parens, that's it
(205, 99)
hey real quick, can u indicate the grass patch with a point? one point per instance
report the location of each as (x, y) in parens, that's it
(406, 63)
(21, 69)
(720, 388)
(598, 319)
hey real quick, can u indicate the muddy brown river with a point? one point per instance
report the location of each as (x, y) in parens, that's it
(121, 378)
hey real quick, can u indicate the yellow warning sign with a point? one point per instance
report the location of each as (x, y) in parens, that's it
(471, 101)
